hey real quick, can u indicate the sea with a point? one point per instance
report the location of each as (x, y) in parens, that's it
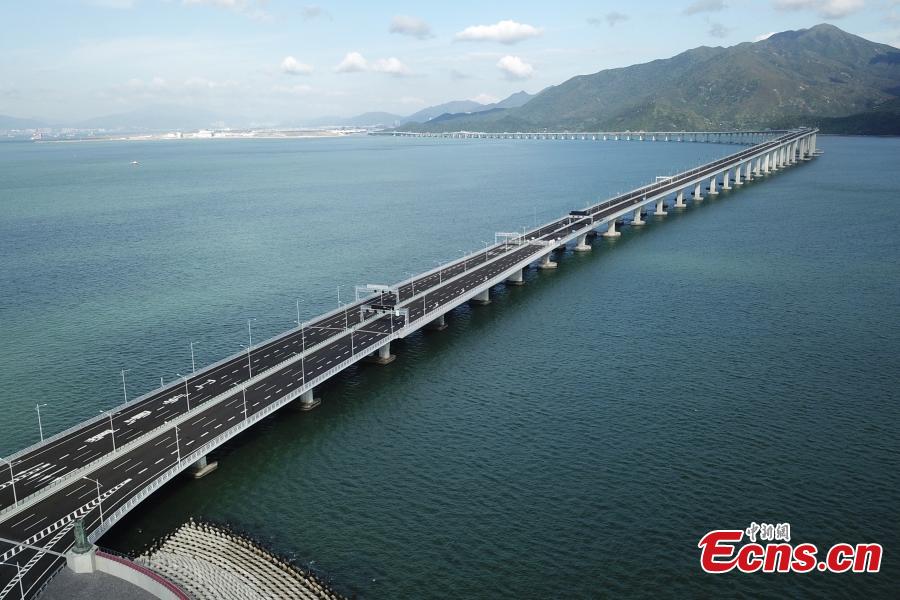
(732, 363)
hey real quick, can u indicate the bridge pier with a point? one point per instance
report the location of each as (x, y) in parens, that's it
(726, 176)
(747, 176)
(438, 324)
(515, 278)
(307, 401)
(202, 468)
(582, 245)
(611, 230)
(679, 200)
(546, 263)
(637, 220)
(482, 298)
(712, 186)
(737, 174)
(382, 356)
(660, 208)
(697, 196)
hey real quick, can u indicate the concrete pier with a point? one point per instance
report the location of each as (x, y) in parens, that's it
(712, 186)
(482, 298)
(611, 231)
(438, 324)
(697, 196)
(307, 401)
(725, 179)
(637, 217)
(546, 263)
(582, 245)
(679, 200)
(382, 356)
(737, 175)
(515, 278)
(660, 208)
(202, 468)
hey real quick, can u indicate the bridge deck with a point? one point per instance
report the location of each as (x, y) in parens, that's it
(50, 489)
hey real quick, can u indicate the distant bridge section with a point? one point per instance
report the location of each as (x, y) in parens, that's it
(747, 137)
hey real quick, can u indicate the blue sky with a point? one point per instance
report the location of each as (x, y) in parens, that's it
(277, 60)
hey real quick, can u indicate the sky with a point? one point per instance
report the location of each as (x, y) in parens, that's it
(280, 61)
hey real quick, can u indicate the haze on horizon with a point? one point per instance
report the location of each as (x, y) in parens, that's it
(280, 61)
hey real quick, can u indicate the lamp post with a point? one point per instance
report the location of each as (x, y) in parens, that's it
(177, 446)
(112, 429)
(250, 334)
(99, 498)
(193, 367)
(37, 407)
(249, 366)
(18, 576)
(12, 479)
(187, 391)
(124, 391)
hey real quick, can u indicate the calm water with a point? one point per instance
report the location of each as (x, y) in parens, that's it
(732, 363)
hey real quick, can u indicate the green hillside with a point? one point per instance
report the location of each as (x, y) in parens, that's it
(818, 74)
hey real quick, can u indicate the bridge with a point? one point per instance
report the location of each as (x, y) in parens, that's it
(747, 137)
(101, 469)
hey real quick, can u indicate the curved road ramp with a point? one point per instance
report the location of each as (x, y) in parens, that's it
(210, 562)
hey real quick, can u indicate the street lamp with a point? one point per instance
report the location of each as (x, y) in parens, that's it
(18, 576)
(112, 429)
(177, 446)
(37, 407)
(99, 499)
(124, 391)
(12, 479)
(193, 367)
(187, 391)
(249, 366)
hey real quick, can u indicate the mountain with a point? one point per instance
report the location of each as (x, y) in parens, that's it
(454, 106)
(162, 117)
(794, 76)
(7, 122)
(514, 101)
(368, 119)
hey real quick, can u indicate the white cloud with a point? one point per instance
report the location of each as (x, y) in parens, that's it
(764, 36)
(413, 26)
(701, 6)
(829, 9)
(391, 66)
(292, 66)
(610, 18)
(514, 67)
(485, 99)
(505, 32)
(312, 11)
(248, 8)
(353, 62)
(718, 30)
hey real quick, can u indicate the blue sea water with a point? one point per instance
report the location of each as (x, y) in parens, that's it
(730, 363)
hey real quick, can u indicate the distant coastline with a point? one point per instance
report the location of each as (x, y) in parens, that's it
(210, 135)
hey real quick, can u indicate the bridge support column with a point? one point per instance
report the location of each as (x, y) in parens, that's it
(438, 324)
(725, 178)
(308, 401)
(482, 298)
(382, 356)
(757, 171)
(697, 195)
(636, 220)
(582, 245)
(747, 168)
(765, 164)
(546, 263)
(712, 186)
(611, 230)
(679, 200)
(202, 468)
(737, 175)
(515, 278)
(660, 208)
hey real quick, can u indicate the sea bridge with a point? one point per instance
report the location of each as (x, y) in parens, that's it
(101, 469)
(746, 137)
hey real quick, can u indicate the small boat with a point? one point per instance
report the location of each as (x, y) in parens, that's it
(135, 163)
